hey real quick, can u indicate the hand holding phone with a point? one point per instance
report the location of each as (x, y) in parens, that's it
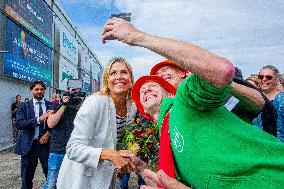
(124, 16)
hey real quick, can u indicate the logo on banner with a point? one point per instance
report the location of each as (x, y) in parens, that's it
(23, 41)
(37, 55)
(66, 76)
(68, 44)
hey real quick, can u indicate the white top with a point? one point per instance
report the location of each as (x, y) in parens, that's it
(36, 106)
(94, 129)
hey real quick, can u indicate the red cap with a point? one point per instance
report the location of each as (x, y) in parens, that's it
(166, 63)
(136, 91)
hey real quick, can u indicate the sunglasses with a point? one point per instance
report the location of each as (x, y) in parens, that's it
(268, 77)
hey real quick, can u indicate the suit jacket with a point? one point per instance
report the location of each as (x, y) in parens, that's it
(94, 130)
(26, 123)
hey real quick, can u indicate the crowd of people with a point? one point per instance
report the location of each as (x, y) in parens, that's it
(217, 130)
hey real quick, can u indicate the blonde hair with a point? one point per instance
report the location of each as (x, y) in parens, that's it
(105, 89)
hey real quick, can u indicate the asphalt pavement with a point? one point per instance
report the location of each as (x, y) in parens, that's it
(10, 172)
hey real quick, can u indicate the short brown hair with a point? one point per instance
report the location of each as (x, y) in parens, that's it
(33, 84)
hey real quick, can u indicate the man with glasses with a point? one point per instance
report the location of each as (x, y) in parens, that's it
(270, 79)
(33, 138)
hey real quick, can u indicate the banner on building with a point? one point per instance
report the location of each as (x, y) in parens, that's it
(35, 15)
(85, 59)
(68, 62)
(67, 71)
(96, 70)
(95, 86)
(68, 45)
(28, 59)
(86, 82)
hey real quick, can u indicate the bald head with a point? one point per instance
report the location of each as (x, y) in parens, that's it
(171, 74)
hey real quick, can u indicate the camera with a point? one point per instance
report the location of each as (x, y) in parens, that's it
(75, 93)
(76, 97)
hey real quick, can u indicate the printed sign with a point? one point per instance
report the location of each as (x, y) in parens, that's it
(28, 59)
(96, 71)
(68, 45)
(67, 71)
(85, 60)
(95, 85)
(35, 15)
(86, 82)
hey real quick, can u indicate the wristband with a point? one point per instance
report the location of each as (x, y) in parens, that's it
(62, 108)
(64, 103)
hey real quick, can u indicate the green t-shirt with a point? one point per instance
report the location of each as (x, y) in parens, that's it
(213, 148)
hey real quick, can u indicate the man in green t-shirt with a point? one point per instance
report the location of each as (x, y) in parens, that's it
(211, 147)
(246, 101)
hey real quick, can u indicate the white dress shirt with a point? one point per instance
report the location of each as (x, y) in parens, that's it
(36, 109)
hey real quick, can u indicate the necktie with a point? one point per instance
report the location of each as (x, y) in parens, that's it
(40, 111)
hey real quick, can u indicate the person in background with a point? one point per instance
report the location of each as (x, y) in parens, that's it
(91, 154)
(270, 79)
(27, 99)
(61, 125)
(33, 138)
(55, 98)
(280, 86)
(14, 109)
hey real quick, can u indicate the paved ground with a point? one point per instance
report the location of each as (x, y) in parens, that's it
(10, 176)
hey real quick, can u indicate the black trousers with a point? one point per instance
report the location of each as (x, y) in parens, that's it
(29, 163)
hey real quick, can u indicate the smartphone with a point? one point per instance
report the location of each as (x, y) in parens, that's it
(124, 16)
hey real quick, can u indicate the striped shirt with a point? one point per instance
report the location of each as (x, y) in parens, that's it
(120, 123)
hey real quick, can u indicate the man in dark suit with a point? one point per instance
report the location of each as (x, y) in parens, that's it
(33, 138)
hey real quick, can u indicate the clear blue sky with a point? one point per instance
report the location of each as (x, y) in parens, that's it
(249, 33)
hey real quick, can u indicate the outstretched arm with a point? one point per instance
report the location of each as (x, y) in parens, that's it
(54, 119)
(214, 69)
(251, 98)
(151, 178)
(162, 179)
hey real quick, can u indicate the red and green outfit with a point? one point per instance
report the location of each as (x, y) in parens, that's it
(213, 148)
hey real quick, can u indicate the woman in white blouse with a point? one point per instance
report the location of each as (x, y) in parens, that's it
(91, 157)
